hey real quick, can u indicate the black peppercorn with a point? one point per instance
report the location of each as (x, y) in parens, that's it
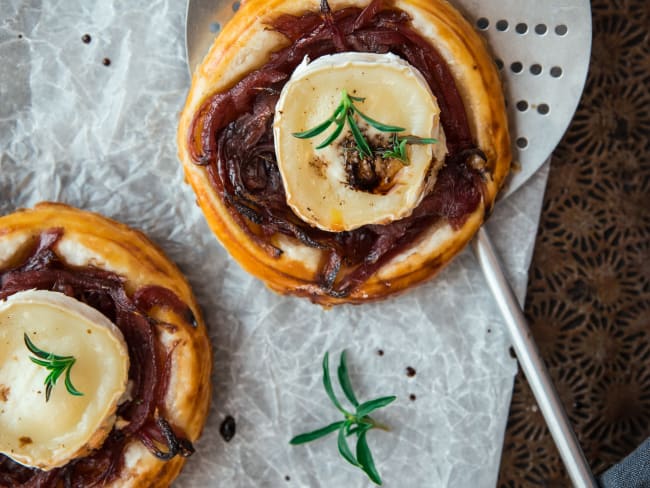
(228, 428)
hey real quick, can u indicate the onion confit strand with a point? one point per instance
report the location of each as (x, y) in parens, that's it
(233, 129)
(174, 445)
(149, 366)
(148, 296)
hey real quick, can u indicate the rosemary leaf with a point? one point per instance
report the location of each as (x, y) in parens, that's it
(420, 140)
(402, 152)
(344, 380)
(340, 113)
(53, 376)
(35, 350)
(344, 449)
(60, 363)
(376, 124)
(68, 383)
(316, 434)
(313, 132)
(364, 148)
(332, 136)
(327, 383)
(365, 460)
(372, 405)
(40, 362)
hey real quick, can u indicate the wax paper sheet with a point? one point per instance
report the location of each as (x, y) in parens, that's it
(102, 137)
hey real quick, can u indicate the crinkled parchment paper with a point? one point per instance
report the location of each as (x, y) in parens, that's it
(103, 138)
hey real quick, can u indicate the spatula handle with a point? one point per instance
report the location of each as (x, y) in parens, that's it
(533, 365)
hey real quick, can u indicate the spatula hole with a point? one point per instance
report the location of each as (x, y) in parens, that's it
(522, 105)
(541, 29)
(499, 63)
(556, 71)
(502, 25)
(235, 6)
(483, 23)
(521, 28)
(522, 143)
(516, 67)
(543, 109)
(561, 30)
(536, 69)
(215, 27)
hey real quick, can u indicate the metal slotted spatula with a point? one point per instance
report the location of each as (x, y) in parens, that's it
(542, 50)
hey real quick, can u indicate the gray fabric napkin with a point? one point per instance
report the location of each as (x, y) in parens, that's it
(632, 472)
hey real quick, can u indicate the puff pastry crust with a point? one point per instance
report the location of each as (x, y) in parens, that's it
(246, 43)
(92, 240)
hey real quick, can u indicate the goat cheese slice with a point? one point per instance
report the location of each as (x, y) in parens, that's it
(320, 183)
(49, 434)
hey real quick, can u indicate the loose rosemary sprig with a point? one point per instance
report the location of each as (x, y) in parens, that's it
(56, 365)
(357, 423)
(345, 113)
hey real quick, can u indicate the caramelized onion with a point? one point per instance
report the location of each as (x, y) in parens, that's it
(148, 296)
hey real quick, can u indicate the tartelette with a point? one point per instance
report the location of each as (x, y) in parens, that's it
(345, 150)
(104, 357)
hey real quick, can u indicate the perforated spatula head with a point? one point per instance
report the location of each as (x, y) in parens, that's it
(541, 48)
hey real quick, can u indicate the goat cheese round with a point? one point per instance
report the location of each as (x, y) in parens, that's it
(48, 434)
(322, 185)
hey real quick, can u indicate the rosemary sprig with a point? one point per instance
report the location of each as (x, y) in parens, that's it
(398, 149)
(357, 423)
(56, 365)
(345, 112)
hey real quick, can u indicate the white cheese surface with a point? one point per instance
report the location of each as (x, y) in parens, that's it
(49, 434)
(315, 180)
